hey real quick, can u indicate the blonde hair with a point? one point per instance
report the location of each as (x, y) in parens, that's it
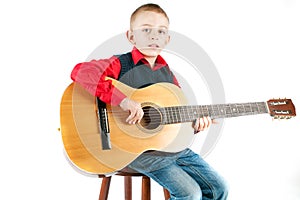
(148, 7)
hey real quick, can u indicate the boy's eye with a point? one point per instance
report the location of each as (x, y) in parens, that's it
(146, 30)
(162, 32)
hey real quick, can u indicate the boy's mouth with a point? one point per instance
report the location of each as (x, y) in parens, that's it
(153, 46)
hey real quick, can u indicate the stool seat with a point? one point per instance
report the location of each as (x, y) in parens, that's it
(146, 186)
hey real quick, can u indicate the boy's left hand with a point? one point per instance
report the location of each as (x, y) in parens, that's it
(202, 124)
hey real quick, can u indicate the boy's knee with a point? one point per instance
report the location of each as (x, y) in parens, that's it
(222, 191)
(191, 193)
(197, 194)
(194, 193)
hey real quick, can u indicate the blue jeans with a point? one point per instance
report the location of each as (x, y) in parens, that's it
(185, 174)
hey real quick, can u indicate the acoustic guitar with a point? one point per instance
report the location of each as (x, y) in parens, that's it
(98, 140)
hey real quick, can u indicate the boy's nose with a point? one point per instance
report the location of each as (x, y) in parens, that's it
(154, 35)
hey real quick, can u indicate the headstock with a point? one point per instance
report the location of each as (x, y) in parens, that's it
(281, 108)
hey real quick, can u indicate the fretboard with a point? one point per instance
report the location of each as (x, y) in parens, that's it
(179, 114)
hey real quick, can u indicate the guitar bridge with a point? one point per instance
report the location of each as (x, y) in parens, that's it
(103, 125)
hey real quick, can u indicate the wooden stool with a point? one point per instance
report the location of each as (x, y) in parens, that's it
(146, 189)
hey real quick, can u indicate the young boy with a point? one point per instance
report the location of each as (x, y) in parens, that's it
(185, 174)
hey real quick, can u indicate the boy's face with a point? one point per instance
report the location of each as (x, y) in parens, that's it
(149, 33)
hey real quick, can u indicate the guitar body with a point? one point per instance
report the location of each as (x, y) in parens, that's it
(81, 132)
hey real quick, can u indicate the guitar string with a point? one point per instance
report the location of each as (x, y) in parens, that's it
(153, 116)
(180, 114)
(177, 113)
(200, 111)
(172, 115)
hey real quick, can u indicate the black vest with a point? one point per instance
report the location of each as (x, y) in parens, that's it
(141, 75)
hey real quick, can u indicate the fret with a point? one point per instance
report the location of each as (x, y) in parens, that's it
(169, 118)
(195, 112)
(199, 111)
(182, 111)
(254, 108)
(204, 110)
(185, 114)
(179, 116)
(247, 108)
(210, 110)
(164, 115)
(163, 111)
(207, 110)
(228, 110)
(215, 111)
(189, 112)
(222, 110)
(258, 108)
(234, 110)
(192, 113)
(240, 108)
(170, 112)
(175, 113)
(167, 115)
(262, 107)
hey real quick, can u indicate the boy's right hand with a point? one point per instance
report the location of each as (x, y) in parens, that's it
(136, 112)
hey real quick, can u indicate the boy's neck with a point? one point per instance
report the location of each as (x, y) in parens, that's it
(151, 60)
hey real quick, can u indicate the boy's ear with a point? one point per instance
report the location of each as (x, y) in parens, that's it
(168, 39)
(130, 37)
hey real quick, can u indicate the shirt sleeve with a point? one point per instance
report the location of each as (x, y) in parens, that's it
(175, 81)
(91, 75)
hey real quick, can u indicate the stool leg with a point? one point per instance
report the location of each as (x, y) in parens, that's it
(146, 188)
(104, 188)
(167, 194)
(128, 187)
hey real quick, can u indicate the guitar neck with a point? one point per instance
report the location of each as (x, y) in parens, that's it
(179, 114)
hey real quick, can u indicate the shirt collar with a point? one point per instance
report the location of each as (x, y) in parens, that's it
(138, 56)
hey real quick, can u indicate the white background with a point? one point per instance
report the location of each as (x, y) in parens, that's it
(254, 44)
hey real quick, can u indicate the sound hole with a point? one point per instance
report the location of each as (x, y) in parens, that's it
(152, 118)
